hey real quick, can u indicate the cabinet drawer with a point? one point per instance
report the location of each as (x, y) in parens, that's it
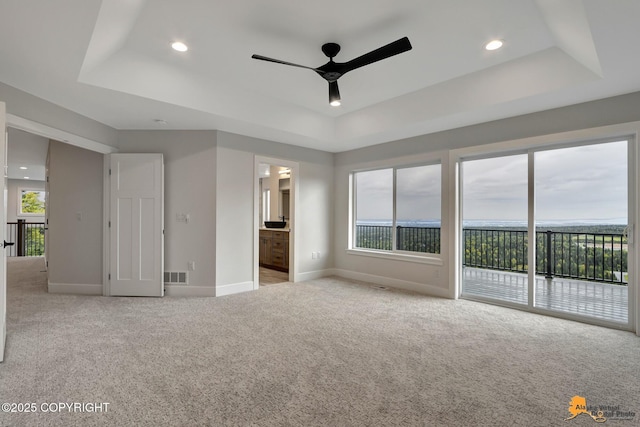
(277, 259)
(277, 244)
(265, 233)
(278, 235)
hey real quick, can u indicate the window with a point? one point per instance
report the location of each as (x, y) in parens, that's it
(31, 202)
(398, 209)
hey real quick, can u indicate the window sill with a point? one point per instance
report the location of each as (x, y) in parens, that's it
(431, 259)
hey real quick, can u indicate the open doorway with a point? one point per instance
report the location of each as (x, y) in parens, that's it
(275, 195)
(26, 194)
(74, 173)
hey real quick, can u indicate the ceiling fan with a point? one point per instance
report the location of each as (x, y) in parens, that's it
(332, 71)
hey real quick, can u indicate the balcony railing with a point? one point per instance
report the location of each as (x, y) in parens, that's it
(414, 239)
(28, 238)
(600, 257)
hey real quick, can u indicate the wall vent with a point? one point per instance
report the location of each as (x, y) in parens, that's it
(176, 278)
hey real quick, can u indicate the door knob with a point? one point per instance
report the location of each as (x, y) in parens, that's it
(5, 244)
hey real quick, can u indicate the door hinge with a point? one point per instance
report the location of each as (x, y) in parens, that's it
(109, 276)
(109, 224)
(109, 172)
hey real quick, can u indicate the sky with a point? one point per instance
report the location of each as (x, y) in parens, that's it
(418, 194)
(587, 183)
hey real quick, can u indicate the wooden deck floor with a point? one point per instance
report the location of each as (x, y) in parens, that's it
(599, 300)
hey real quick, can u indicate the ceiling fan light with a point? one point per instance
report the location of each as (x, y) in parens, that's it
(334, 94)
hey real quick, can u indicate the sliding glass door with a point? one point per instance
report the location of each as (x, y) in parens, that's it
(581, 210)
(545, 230)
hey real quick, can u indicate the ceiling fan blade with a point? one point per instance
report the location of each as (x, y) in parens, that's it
(393, 48)
(277, 61)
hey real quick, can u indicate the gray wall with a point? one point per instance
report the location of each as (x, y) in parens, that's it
(210, 176)
(608, 111)
(235, 199)
(190, 188)
(433, 278)
(75, 215)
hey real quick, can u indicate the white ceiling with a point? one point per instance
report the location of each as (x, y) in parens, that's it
(26, 150)
(112, 61)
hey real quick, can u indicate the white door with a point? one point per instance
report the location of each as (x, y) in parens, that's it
(137, 225)
(3, 226)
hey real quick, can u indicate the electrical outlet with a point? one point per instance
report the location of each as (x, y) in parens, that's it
(191, 265)
(317, 255)
(313, 255)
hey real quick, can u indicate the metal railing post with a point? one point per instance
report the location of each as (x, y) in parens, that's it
(20, 238)
(549, 250)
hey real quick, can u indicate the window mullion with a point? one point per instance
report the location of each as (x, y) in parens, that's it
(394, 232)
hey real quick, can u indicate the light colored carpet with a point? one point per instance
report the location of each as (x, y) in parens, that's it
(322, 353)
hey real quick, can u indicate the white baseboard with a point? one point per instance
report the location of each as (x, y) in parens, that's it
(189, 291)
(234, 288)
(317, 274)
(421, 288)
(74, 288)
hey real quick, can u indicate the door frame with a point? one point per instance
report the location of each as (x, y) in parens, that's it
(293, 215)
(3, 223)
(49, 132)
(629, 131)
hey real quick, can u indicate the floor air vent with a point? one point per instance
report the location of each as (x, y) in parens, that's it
(176, 277)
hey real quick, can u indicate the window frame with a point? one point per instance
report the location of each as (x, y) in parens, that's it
(394, 253)
(28, 190)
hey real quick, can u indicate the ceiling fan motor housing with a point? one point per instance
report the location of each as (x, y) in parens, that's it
(331, 49)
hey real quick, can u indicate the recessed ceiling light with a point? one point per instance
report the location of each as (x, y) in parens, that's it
(493, 45)
(26, 177)
(24, 168)
(160, 121)
(179, 46)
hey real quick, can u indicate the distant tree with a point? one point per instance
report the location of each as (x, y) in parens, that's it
(31, 203)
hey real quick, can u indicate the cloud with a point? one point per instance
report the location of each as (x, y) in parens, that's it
(576, 183)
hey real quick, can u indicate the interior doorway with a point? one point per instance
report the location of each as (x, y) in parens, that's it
(275, 195)
(26, 193)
